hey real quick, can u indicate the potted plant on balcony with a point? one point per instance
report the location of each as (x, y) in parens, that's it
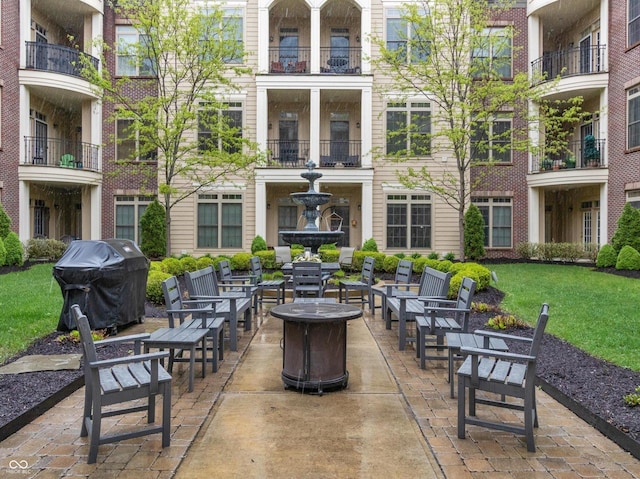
(591, 153)
(570, 162)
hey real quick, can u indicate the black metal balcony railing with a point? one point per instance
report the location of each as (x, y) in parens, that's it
(56, 58)
(570, 62)
(576, 156)
(288, 153)
(344, 61)
(60, 153)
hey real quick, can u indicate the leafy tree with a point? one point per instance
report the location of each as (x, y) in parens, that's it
(473, 233)
(5, 223)
(153, 231)
(628, 229)
(192, 56)
(439, 57)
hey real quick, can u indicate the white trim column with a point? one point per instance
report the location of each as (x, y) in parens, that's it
(365, 44)
(367, 210)
(366, 126)
(534, 214)
(315, 40)
(262, 118)
(604, 214)
(24, 215)
(261, 209)
(263, 39)
(314, 124)
(94, 215)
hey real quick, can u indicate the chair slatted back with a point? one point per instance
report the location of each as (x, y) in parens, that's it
(307, 278)
(367, 270)
(256, 268)
(434, 283)
(202, 282)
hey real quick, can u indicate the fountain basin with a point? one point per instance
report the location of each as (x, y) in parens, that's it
(311, 239)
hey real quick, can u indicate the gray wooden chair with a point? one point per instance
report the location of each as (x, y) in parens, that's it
(275, 285)
(505, 374)
(362, 285)
(308, 279)
(443, 317)
(345, 260)
(242, 284)
(194, 314)
(283, 254)
(401, 282)
(120, 380)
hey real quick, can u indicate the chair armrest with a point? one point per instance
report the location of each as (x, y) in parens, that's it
(206, 299)
(496, 354)
(493, 334)
(128, 359)
(192, 310)
(121, 339)
(438, 309)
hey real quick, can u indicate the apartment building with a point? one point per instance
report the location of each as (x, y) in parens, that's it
(51, 120)
(314, 95)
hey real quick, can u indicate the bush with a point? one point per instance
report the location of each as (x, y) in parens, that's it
(570, 252)
(327, 247)
(203, 262)
(370, 245)
(359, 256)
(473, 233)
(172, 266)
(419, 264)
(444, 265)
(606, 257)
(267, 259)
(156, 266)
(258, 244)
(154, 286)
(3, 253)
(153, 231)
(15, 250)
(189, 263)
(5, 223)
(628, 259)
(390, 264)
(547, 251)
(48, 249)
(433, 255)
(329, 255)
(628, 229)
(240, 262)
(527, 250)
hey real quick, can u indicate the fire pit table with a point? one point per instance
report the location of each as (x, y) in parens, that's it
(315, 344)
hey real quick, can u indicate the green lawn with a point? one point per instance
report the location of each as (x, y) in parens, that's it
(597, 312)
(30, 302)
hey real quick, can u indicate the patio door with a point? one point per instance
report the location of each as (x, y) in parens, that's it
(585, 54)
(339, 136)
(42, 60)
(41, 131)
(288, 137)
(288, 54)
(343, 212)
(339, 59)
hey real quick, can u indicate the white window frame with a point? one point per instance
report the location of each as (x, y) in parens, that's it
(229, 106)
(409, 199)
(491, 203)
(221, 199)
(128, 47)
(633, 96)
(408, 108)
(151, 156)
(633, 19)
(404, 41)
(491, 34)
(139, 203)
(490, 150)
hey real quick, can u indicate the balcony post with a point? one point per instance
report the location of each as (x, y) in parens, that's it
(314, 124)
(315, 40)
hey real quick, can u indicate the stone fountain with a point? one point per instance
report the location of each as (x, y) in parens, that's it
(311, 236)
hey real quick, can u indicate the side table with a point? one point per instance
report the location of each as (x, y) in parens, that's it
(457, 340)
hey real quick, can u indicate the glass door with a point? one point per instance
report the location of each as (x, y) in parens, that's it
(339, 59)
(585, 54)
(288, 137)
(288, 54)
(339, 140)
(41, 131)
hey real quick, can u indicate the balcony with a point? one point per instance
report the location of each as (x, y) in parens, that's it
(342, 61)
(60, 153)
(570, 62)
(56, 58)
(333, 154)
(579, 155)
(284, 61)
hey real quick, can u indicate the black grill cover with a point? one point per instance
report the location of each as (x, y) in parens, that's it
(107, 279)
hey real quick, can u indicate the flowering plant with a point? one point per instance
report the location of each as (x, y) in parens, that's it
(307, 256)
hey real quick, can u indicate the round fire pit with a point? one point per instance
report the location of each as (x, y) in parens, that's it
(315, 344)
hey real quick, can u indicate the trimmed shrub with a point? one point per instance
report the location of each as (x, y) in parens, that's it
(240, 262)
(450, 256)
(172, 266)
(204, 261)
(49, 249)
(473, 233)
(370, 245)
(5, 223)
(547, 251)
(359, 256)
(267, 259)
(329, 255)
(258, 244)
(433, 255)
(153, 231)
(628, 229)
(189, 263)
(390, 264)
(15, 250)
(606, 257)
(156, 266)
(419, 264)
(527, 250)
(444, 265)
(154, 286)
(628, 259)
(3, 253)
(327, 247)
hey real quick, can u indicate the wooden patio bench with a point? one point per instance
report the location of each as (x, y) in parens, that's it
(401, 281)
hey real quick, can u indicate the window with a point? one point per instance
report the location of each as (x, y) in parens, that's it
(220, 129)
(409, 129)
(133, 56)
(129, 210)
(633, 118)
(128, 144)
(408, 221)
(220, 220)
(403, 38)
(633, 197)
(590, 222)
(634, 22)
(497, 221)
(491, 141)
(229, 28)
(492, 55)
